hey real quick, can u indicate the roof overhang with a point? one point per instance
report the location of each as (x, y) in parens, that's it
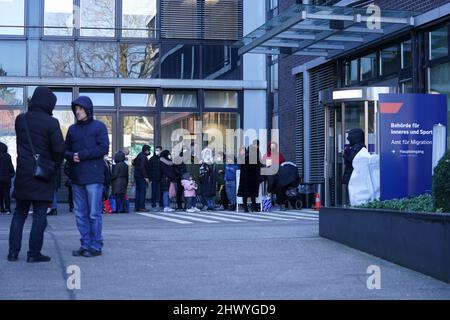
(323, 31)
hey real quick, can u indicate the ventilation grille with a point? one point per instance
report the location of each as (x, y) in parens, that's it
(299, 124)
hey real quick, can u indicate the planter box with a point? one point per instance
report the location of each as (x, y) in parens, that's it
(418, 241)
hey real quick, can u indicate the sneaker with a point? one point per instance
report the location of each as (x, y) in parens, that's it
(52, 212)
(38, 258)
(79, 252)
(196, 209)
(13, 257)
(91, 253)
(167, 209)
(8, 212)
(191, 210)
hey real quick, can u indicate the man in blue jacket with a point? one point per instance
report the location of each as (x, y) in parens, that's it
(87, 143)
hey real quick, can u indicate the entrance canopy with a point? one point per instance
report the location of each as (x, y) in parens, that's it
(323, 31)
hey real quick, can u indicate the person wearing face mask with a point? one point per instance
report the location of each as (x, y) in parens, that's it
(154, 173)
(141, 178)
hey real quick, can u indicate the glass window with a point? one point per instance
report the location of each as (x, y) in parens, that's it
(138, 98)
(11, 96)
(100, 97)
(180, 99)
(97, 59)
(369, 66)
(438, 43)
(440, 83)
(8, 132)
(66, 118)
(220, 62)
(12, 13)
(108, 121)
(171, 122)
(407, 86)
(58, 15)
(97, 18)
(137, 132)
(221, 99)
(139, 61)
(214, 128)
(389, 60)
(274, 77)
(57, 59)
(351, 71)
(180, 62)
(406, 54)
(139, 18)
(64, 96)
(12, 58)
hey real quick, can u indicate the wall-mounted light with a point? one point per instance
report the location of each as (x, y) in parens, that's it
(347, 94)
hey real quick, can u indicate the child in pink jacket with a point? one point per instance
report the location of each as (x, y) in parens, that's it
(190, 187)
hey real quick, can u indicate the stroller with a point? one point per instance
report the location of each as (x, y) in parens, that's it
(294, 198)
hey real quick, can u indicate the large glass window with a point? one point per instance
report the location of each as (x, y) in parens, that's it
(63, 96)
(406, 54)
(139, 18)
(97, 18)
(171, 122)
(221, 99)
(220, 62)
(12, 15)
(57, 59)
(8, 132)
(440, 83)
(99, 97)
(351, 71)
(11, 96)
(137, 132)
(66, 118)
(108, 121)
(438, 43)
(138, 61)
(180, 62)
(369, 66)
(58, 16)
(389, 60)
(97, 59)
(12, 58)
(180, 99)
(215, 125)
(138, 98)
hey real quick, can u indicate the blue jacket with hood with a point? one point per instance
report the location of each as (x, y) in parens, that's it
(90, 139)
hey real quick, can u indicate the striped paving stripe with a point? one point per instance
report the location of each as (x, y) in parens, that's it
(231, 215)
(264, 214)
(163, 218)
(209, 216)
(188, 218)
(298, 214)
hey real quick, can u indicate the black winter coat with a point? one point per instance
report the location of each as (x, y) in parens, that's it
(356, 139)
(208, 180)
(168, 174)
(6, 166)
(119, 176)
(250, 177)
(287, 176)
(140, 166)
(48, 141)
(154, 168)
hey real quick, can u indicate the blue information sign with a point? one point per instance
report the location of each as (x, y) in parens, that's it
(406, 142)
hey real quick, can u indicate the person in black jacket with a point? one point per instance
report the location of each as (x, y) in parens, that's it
(208, 179)
(119, 180)
(154, 173)
(48, 141)
(250, 176)
(356, 139)
(180, 169)
(107, 183)
(6, 174)
(168, 176)
(141, 178)
(286, 177)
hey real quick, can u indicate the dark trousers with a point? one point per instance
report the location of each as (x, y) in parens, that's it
(244, 202)
(70, 198)
(37, 228)
(156, 193)
(5, 200)
(141, 191)
(223, 197)
(180, 191)
(120, 202)
(282, 198)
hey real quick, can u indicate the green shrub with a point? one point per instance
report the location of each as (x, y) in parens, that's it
(422, 203)
(441, 184)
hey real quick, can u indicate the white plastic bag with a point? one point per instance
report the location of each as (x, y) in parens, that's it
(364, 184)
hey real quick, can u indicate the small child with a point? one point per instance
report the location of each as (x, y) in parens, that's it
(190, 187)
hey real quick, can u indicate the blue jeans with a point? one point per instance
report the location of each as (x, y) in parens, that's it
(88, 209)
(156, 193)
(166, 200)
(190, 202)
(37, 228)
(210, 202)
(55, 200)
(230, 189)
(120, 202)
(141, 191)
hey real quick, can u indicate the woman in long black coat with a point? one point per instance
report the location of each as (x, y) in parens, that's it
(250, 176)
(6, 174)
(119, 180)
(168, 175)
